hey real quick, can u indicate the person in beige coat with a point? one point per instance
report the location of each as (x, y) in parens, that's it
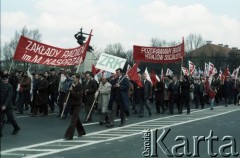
(103, 93)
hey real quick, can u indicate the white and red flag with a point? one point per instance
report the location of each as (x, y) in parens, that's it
(191, 67)
(185, 71)
(210, 69)
(128, 68)
(235, 73)
(169, 72)
(148, 76)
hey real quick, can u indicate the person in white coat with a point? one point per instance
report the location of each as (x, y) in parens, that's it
(103, 93)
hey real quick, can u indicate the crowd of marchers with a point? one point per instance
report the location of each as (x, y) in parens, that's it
(66, 93)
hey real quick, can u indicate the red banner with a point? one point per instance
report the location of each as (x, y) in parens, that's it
(35, 52)
(158, 54)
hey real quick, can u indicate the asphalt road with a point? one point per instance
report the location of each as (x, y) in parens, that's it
(43, 136)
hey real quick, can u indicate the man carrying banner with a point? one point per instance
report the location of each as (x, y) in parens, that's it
(75, 100)
(90, 89)
(119, 97)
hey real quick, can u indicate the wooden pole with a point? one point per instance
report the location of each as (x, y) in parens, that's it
(10, 67)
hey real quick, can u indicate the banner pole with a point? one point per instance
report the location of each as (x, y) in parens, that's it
(181, 68)
(10, 67)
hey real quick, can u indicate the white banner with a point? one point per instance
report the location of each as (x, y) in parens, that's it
(110, 63)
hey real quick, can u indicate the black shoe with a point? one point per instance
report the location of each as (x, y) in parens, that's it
(81, 134)
(68, 138)
(15, 131)
(100, 122)
(110, 125)
(121, 125)
(211, 109)
(135, 112)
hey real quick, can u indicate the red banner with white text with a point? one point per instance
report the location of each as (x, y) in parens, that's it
(35, 52)
(158, 54)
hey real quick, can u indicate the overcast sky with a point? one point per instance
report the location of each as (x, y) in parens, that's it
(130, 22)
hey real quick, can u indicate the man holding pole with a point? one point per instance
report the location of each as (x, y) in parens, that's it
(74, 99)
(90, 89)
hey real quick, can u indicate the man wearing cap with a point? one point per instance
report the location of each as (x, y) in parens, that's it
(6, 104)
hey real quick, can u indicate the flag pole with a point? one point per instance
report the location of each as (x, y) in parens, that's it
(181, 68)
(10, 67)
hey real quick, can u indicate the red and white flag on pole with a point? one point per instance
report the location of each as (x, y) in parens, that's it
(148, 76)
(235, 73)
(210, 69)
(158, 79)
(215, 71)
(153, 78)
(220, 75)
(205, 73)
(128, 68)
(185, 71)
(169, 72)
(191, 67)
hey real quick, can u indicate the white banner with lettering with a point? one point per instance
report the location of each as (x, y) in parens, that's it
(110, 63)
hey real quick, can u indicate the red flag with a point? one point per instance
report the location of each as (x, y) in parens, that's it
(153, 78)
(133, 75)
(94, 70)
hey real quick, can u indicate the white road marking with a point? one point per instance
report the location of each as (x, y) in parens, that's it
(117, 137)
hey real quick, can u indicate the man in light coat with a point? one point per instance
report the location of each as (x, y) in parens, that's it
(103, 93)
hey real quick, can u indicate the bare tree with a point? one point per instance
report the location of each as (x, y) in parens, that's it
(193, 41)
(115, 49)
(9, 48)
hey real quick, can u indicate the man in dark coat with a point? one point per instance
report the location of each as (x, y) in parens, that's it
(146, 94)
(198, 93)
(228, 89)
(174, 92)
(89, 91)
(53, 88)
(136, 96)
(185, 87)
(159, 97)
(25, 92)
(6, 104)
(119, 97)
(75, 100)
(41, 101)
